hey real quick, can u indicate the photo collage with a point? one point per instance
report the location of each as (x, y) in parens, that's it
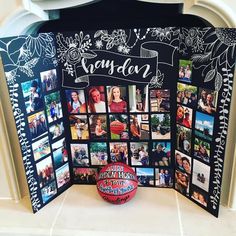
(121, 123)
(196, 107)
(44, 115)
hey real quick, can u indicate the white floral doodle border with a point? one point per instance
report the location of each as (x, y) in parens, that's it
(22, 54)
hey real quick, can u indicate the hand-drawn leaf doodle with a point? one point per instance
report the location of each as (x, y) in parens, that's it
(89, 55)
(218, 81)
(210, 75)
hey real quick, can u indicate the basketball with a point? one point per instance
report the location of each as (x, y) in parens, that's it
(117, 183)
(117, 127)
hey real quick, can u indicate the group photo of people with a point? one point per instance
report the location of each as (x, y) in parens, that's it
(160, 100)
(60, 153)
(37, 124)
(138, 98)
(79, 127)
(184, 139)
(161, 154)
(183, 162)
(202, 150)
(98, 126)
(145, 176)
(139, 126)
(207, 101)
(41, 148)
(32, 95)
(56, 130)
(85, 175)
(49, 80)
(63, 175)
(184, 116)
(119, 152)
(75, 101)
(187, 95)
(79, 154)
(199, 196)
(163, 177)
(98, 153)
(182, 182)
(139, 153)
(185, 71)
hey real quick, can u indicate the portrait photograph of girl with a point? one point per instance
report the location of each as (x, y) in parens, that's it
(184, 116)
(138, 98)
(183, 162)
(75, 101)
(202, 150)
(199, 195)
(117, 97)
(98, 126)
(182, 182)
(96, 99)
(119, 152)
(139, 153)
(79, 127)
(184, 139)
(160, 100)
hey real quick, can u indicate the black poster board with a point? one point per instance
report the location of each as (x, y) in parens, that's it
(155, 98)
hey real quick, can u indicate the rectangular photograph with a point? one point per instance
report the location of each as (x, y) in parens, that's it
(41, 148)
(53, 106)
(49, 80)
(98, 126)
(85, 175)
(161, 154)
(75, 101)
(63, 175)
(96, 99)
(183, 162)
(139, 127)
(201, 175)
(119, 152)
(139, 153)
(79, 154)
(160, 100)
(60, 154)
(185, 71)
(184, 116)
(119, 126)
(199, 196)
(116, 98)
(187, 95)
(32, 95)
(138, 98)
(184, 139)
(37, 124)
(56, 130)
(49, 191)
(79, 127)
(145, 176)
(204, 126)
(98, 153)
(160, 125)
(207, 101)
(202, 150)
(182, 182)
(45, 171)
(163, 177)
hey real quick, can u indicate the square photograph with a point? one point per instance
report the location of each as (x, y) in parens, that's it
(32, 95)
(138, 98)
(182, 182)
(201, 175)
(199, 196)
(119, 152)
(139, 154)
(56, 130)
(185, 71)
(53, 106)
(116, 98)
(187, 95)
(207, 101)
(184, 116)
(79, 127)
(98, 126)
(204, 126)
(96, 99)
(160, 100)
(41, 148)
(161, 154)
(37, 124)
(45, 171)
(145, 176)
(79, 154)
(49, 191)
(75, 101)
(139, 127)
(85, 175)
(49, 80)
(202, 150)
(184, 139)
(160, 125)
(119, 126)
(63, 175)
(163, 177)
(98, 153)
(183, 162)
(60, 154)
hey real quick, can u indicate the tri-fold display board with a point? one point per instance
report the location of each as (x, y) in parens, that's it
(157, 99)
